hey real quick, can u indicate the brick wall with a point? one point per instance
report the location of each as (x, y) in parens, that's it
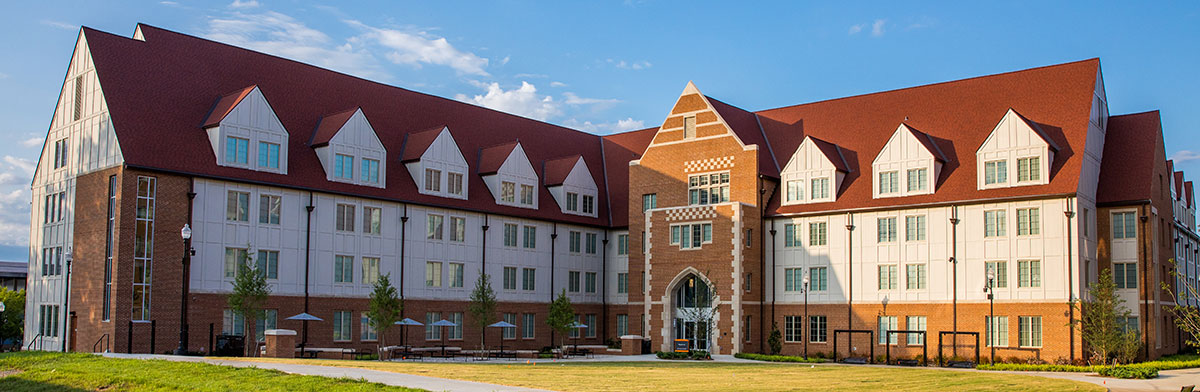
(89, 254)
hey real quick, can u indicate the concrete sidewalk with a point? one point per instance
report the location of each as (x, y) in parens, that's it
(382, 377)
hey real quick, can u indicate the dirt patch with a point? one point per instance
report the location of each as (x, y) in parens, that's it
(6, 373)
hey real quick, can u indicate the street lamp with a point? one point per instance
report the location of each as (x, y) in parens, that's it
(186, 234)
(806, 321)
(990, 290)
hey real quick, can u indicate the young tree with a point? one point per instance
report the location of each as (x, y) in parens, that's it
(384, 309)
(482, 306)
(250, 291)
(775, 341)
(562, 316)
(1097, 323)
(1187, 318)
(12, 321)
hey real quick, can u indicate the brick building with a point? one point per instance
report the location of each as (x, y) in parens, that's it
(877, 212)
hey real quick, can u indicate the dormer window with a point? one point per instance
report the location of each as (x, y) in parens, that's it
(431, 153)
(343, 167)
(918, 179)
(689, 127)
(1015, 142)
(795, 190)
(245, 133)
(820, 188)
(237, 150)
(818, 166)
(589, 204)
(346, 142)
(268, 155)
(1029, 169)
(889, 182)
(571, 184)
(572, 201)
(905, 164)
(433, 180)
(507, 191)
(454, 183)
(710, 188)
(370, 170)
(503, 169)
(526, 194)
(995, 172)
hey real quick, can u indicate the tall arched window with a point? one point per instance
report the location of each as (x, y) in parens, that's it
(693, 292)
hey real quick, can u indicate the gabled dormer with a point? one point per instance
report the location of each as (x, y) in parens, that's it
(435, 162)
(909, 164)
(245, 133)
(572, 185)
(350, 150)
(509, 175)
(814, 173)
(1017, 153)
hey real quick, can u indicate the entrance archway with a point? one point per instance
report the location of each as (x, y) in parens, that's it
(692, 312)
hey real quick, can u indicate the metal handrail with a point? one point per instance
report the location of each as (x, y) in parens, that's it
(106, 341)
(35, 340)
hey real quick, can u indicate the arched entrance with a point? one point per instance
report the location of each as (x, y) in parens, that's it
(692, 311)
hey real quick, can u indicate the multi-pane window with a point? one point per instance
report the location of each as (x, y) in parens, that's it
(60, 153)
(1123, 225)
(1127, 324)
(343, 166)
(458, 229)
(791, 235)
(343, 269)
(915, 274)
(590, 331)
(433, 180)
(573, 281)
(887, 229)
(995, 172)
(527, 194)
(267, 321)
(455, 332)
(888, 277)
(1029, 221)
(572, 201)
(818, 234)
(793, 279)
(268, 155)
(590, 244)
(793, 329)
(143, 247)
(1029, 169)
(232, 323)
(345, 217)
(110, 232)
(649, 200)
(818, 278)
(918, 179)
(269, 209)
(510, 333)
(435, 226)
(589, 204)
(575, 238)
(995, 223)
(997, 331)
(915, 323)
(510, 278)
(914, 228)
(370, 270)
(432, 332)
(267, 263)
(234, 258)
(527, 326)
(372, 220)
(237, 206)
(1029, 273)
(529, 241)
(1125, 275)
(689, 127)
(237, 150)
(368, 331)
(692, 235)
(370, 171)
(622, 283)
(622, 325)
(795, 190)
(817, 329)
(589, 282)
(456, 274)
(48, 320)
(1000, 270)
(508, 191)
(341, 326)
(819, 188)
(887, 323)
(528, 279)
(889, 182)
(708, 188)
(54, 206)
(52, 261)
(1029, 331)
(622, 244)
(454, 183)
(433, 274)
(510, 235)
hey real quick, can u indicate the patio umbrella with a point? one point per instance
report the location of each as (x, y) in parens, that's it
(305, 317)
(443, 323)
(502, 324)
(578, 325)
(405, 323)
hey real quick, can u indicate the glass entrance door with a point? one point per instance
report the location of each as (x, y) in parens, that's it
(696, 333)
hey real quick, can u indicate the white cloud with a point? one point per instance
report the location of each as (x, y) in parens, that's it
(281, 35)
(25, 165)
(168, 3)
(573, 99)
(32, 142)
(558, 84)
(243, 4)
(604, 128)
(855, 29)
(505, 60)
(420, 48)
(530, 76)
(636, 65)
(60, 25)
(15, 177)
(521, 101)
(877, 28)
(1185, 155)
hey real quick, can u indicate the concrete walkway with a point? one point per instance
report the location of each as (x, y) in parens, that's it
(382, 377)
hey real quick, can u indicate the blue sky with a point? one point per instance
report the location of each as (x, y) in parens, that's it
(609, 66)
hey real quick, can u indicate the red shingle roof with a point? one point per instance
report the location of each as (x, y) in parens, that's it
(1191, 200)
(745, 125)
(491, 158)
(928, 142)
(831, 152)
(416, 143)
(555, 171)
(329, 126)
(619, 150)
(1178, 185)
(1129, 179)
(225, 105)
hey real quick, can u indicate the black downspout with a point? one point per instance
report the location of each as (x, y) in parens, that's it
(483, 271)
(1070, 213)
(762, 273)
(850, 276)
(954, 276)
(773, 278)
(553, 237)
(307, 259)
(403, 241)
(67, 304)
(1144, 238)
(604, 287)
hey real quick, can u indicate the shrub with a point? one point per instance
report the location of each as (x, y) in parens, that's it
(1021, 367)
(777, 358)
(1130, 371)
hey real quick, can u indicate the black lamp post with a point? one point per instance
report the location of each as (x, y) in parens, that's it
(186, 234)
(990, 290)
(806, 321)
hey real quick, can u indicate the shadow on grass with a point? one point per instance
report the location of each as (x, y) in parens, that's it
(15, 383)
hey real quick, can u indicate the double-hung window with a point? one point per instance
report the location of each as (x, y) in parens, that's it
(888, 277)
(454, 183)
(995, 172)
(269, 209)
(343, 167)
(1029, 169)
(370, 171)
(434, 229)
(529, 241)
(345, 217)
(508, 191)
(918, 179)
(914, 228)
(510, 235)
(268, 155)
(1029, 273)
(1029, 221)
(791, 235)
(818, 233)
(887, 229)
(995, 223)
(527, 194)
(889, 182)
(237, 150)
(433, 180)
(1029, 331)
(372, 220)
(708, 188)
(237, 208)
(819, 188)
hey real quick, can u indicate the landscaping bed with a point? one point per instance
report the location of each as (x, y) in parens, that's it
(778, 358)
(1141, 370)
(693, 355)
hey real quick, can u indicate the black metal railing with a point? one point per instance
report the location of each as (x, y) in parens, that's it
(103, 339)
(36, 341)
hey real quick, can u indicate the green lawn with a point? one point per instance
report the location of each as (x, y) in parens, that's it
(40, 371)
(707, 376)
